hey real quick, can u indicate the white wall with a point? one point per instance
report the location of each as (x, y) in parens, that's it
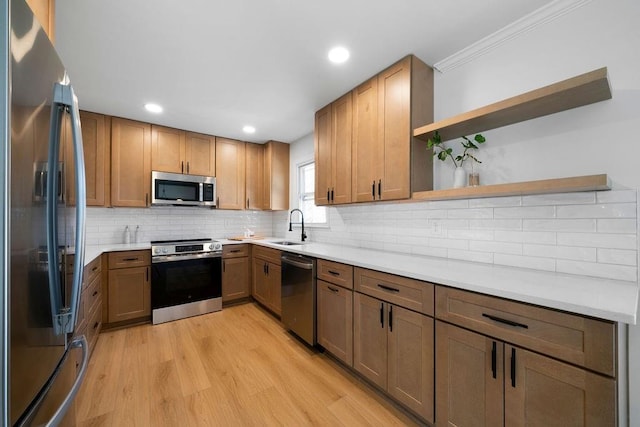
(599, 138)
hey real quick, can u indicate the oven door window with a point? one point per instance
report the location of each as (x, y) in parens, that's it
(177, 190)
(180, 282)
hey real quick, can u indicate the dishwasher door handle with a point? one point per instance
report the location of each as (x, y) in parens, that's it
(300, 263)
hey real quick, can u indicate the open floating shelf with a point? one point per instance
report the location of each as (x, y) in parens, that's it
(575, 92)
(545, 186)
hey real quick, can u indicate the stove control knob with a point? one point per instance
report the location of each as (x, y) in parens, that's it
(156, 251)
(211, 246)
(165, 250)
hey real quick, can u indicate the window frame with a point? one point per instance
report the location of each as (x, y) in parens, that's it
(300, 194)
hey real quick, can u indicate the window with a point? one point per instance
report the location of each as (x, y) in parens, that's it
(313, 215)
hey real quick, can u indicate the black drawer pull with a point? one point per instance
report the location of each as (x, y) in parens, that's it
(382, 315)
(94, 268)
(334, 290)
(131, 259)
(513, 367)
(94, 293)
(388, 288)
(95, 325)
(494, 360)
(505, 321)
(235, 251)
(334, 273)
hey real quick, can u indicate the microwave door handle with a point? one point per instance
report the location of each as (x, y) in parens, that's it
(201, 192)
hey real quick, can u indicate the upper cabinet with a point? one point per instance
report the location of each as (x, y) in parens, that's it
(276, 176)
(177, 151)
(230, 173)
(130, 163)
(44, 10)
(376, 120)
(332, 142)
(254, 176)
(96, 134)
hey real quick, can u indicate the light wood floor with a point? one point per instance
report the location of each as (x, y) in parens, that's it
(234, 367)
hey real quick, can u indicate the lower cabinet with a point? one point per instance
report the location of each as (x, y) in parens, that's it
(129, 286)
(89, 320)
(335, 320)
(481, 381)
(266, 275)
(393, 348)
(235, 272)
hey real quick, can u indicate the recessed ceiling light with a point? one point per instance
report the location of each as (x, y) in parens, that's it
(153, 108)
(338, 55)
(248, 129)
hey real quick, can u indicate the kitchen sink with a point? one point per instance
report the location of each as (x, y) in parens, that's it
(287, 243)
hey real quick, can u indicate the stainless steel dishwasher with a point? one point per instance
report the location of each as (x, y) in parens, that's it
(299, 295)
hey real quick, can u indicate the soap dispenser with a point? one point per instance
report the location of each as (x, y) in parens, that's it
(127, 235)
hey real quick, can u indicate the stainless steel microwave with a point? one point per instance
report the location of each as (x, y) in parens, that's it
(182, 190)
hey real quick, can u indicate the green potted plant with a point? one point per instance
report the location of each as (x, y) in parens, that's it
(443, 152)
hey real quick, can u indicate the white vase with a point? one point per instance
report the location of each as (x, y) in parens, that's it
(459, 177)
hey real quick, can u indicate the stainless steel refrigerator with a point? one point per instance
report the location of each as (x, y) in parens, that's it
(42, 250)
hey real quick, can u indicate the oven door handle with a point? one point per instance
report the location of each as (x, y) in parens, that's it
(174, 258)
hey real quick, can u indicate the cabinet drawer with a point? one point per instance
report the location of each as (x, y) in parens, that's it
(129, 259)
(235, 251)
(92, 270)
(409, 293)
(94, 325)
(92, 295)
(576, 339)
(336, 273)
(268, 254)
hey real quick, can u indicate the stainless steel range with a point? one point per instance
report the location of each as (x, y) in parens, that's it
(186, 278)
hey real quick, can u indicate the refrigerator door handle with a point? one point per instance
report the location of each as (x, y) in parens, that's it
(64, 318)
(80, 341)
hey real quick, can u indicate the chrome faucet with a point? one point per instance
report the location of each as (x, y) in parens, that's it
(303, 235)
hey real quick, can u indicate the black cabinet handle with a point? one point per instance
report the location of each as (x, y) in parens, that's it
(331, 194)
(494, 360)
(391, 318)
(333, 273)
(381, 315)
(146, 199)
(388, 288)
(187, 167)
(247, 203)
(328, 195)
(505, 321)
(332, 289)
(379, 189)
(182, 167)
(235, 251)
(131, 259)
(94, 268)
(94, 293)
(373, 189)
(95, 325)
(147, 274)
(217, 202)
(513, 367)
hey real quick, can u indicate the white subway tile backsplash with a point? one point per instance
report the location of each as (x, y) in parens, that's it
(470, 234)
(616, 196)
(560, 252)
(610, 210)
(616, 225)
(524, 261)
(448, 243)
(493, 202)
(496, 224)
(470, 213)
(559, 199)
(485, 257)
(598, 240)
(617, 256)
(609, 271)
(582, 225)
(425, 250)
(541, 237)
(448, 204)
(525, 212)
(496, 247)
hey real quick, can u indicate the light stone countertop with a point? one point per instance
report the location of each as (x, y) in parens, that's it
(602, 298)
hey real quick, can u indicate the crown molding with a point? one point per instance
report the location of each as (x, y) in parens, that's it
(523, 25)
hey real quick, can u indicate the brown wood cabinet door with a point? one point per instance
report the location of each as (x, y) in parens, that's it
(274, 273)
(411, 360)
(370, 338)
(235, 278)
(335, 320)
(467, 392)
(254, 177)
(341, 135)
(200, 154)
(230, 173)
(95, 139)
(129, 293)
(365, 145)
(130, 163)
(394, 130)
(167, 149)
(546, 392)
(260, 286)
(276, 176)
(44, 10)
(322, 147)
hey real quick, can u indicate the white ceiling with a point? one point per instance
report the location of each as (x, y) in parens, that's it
(218, 65)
